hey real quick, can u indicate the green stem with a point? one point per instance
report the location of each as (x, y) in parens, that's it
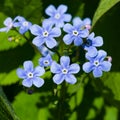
(61, 102)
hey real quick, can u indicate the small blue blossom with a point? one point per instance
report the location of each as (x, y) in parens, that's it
(45, 51)
(75, 32)
(45, 34)
(97, 64)
(30, 75)
(8, 23)
(91, 43)
(45, 61)
(23, 24)
(86, 22)
(57, 16)
(64, 71)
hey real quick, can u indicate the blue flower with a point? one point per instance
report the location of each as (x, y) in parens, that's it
(91, 43)
(8, 23)
(64, 71)
(45, 51)
(75, 32)
(45, 61)
(31, 75)
(58, 16)
(23, 24)
(45, 34)
(97, 64)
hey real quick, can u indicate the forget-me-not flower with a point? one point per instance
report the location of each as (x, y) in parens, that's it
(44, 50)
(8, 23)
(23, 24)
(45, 34)
(58, 16)
(45, 61)
(75, 32)
(91, 43)
(97, 64)
(31, 75)
(64, 71)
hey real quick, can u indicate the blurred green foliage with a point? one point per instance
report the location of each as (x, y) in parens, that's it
(89, 98)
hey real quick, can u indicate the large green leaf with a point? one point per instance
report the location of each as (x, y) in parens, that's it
(6, 111)
(25, 106)
(112, 82)
(103, 7)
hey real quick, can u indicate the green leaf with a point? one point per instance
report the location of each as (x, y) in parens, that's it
(8, 78)
(112, 82)
(103, 7)
(25, 106)
(6, 111)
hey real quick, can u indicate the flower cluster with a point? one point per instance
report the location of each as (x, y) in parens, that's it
(77, 34)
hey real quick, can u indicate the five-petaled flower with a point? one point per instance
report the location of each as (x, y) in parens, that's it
(23, 24)
(31, 75)
(76, 32)
(45, 34)
(45, 61)
(97, 64)
(64, 71)
(58, 16)
(91, 43)
(8, 23)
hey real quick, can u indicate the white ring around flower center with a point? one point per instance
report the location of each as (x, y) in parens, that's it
(64, 71)
(57, 16)
(30, 75)
(45, 34)
(25, 23)
(75, 32)
(96, 63)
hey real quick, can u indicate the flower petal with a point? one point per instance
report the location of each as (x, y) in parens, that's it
(67, 39)
(5, 29)
(74, 68)
(106, 66)
(36, 30)
(70, 79)
(101, 55)
(92, 51)
(97, 72)
(39, 71)
(59, 23)
(77, 21)
(8, 21)
(55, 68)
(97, 41)
(27, 82)
(38, 41)
(67, 17)
(78, 41)
(58, 78)
(91, 36)
(38, 82)
(62, 9)
(87, 67)
(21, 73)
(50, 10)
(51, 42)
(65, 61)
(68, 28)
(87, 21)
(28, 66)
(84, 33)
(55, 32)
